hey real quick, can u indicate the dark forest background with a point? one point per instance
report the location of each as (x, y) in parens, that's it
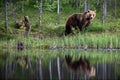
(49, 16)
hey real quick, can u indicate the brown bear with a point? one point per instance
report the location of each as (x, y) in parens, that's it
(82, 65)
(79, 20)
(19, 24)
(24, 23)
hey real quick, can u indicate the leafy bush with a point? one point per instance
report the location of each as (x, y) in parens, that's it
(97, 26)
(50, 7)
(6, 36)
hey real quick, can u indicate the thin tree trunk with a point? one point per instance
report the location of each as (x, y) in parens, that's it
(85, 5)
(0, 16)
(50, 69)
(110, 2)
(76, 3)
(115, 13)
(39, 69)
(36, 1)
(79, 5)
(98, 2)
(51, 1)
(6, 15)
(103, 12)
(58, 67)
(88, 5)
(22, 2)
(105, 7)
(58, 8)
(14, 65)
(97, 70)
(6, 68)
(85, 77)
(40, 14)
(13, 12)
(71, 75)
(58, 11)
(40, 66)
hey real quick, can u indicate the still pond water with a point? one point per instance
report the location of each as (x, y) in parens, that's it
(60, 65)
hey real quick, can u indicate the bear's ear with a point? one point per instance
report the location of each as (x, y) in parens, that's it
(88, 11)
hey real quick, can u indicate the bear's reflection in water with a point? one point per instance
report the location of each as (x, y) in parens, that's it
(82, 66)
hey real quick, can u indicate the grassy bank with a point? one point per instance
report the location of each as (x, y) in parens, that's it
(79, 41)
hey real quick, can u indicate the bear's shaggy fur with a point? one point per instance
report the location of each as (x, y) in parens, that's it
(79, 20)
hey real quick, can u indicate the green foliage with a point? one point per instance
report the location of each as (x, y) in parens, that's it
(113, 24)
(96, 26)
(6, 37)
(50, 7)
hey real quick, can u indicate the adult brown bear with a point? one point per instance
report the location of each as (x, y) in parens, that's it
(82, 65)
(79, 20)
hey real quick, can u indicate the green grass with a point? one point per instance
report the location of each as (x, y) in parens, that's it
(81, 40)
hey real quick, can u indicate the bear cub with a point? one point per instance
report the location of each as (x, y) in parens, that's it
(79, 21)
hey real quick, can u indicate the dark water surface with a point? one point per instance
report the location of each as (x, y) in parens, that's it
(59, 65)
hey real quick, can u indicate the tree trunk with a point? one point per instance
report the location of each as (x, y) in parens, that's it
(22, 2)
(103, 16)
(39, 69)
(85, 5)
(0, 16)
(104, 10)
(58, 8)
(13, 12)
(115, 13)
(6, 69)
(98, 2)
(77, 4)
(58, 11)
(88, 5)
(51, 1)
(58, 68)
(6, 15)
(40, 14)
(105, 7)
(50, 69)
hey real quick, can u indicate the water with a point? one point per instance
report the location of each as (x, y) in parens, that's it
(59, 65)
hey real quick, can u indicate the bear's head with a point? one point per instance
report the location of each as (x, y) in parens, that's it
(90, 15)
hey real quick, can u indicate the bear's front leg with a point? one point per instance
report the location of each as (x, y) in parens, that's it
(87, 24)
(68, 30)
(80, 27)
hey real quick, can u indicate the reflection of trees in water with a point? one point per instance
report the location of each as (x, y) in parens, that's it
(38, 69)
(25, 68)
(107, 71)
